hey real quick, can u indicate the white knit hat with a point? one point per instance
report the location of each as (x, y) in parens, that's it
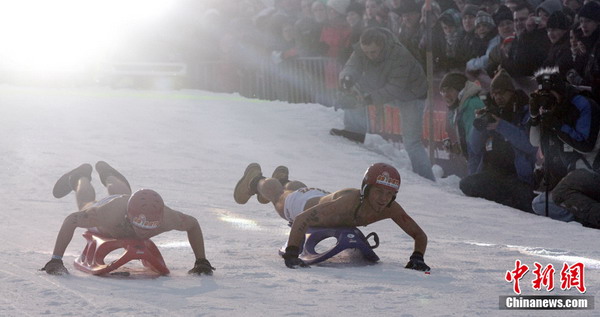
(339, 5)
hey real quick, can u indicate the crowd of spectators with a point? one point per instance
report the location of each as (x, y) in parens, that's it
(515, 138)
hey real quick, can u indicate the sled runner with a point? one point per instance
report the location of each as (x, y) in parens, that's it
(347, 238)
(98, 247)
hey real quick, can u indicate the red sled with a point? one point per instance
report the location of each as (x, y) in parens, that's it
(98, 247)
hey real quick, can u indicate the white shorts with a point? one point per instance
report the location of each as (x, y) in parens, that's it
(295, 202)
(106, 200)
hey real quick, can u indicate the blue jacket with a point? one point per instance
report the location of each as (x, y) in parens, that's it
(513, 138)
(577, 139)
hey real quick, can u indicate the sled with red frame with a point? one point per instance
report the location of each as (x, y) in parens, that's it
(98, 247)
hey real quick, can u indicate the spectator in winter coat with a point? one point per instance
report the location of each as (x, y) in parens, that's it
(470, 44)
(468, 15)
(384, 71)
(545, 9)
(354, 17)
(462, 99)
(336, 32)
(375, 15)
(528, 51)
(485, 30)
(411, 30)
(446, 49)
(319, 12)
(308, 29)
(557, 28)
(122, 215)
(579, 55)
(335, 35)
(579, 194)
(566, 125)
(501, 159)
(307, 207)
(487, 64)
(393, 16)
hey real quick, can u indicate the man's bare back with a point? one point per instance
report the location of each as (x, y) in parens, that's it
(109, 218)
(344, 208)
(347, 211)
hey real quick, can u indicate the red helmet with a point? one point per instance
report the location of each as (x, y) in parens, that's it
(145, 209)
(381, 175)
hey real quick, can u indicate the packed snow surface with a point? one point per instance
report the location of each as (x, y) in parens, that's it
(192, 147)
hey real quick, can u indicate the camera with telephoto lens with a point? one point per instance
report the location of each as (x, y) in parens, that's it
(543, 101)
(486, 114)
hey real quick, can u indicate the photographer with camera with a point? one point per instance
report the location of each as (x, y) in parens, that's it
(501, 159)
(380, 71)
(565, 124)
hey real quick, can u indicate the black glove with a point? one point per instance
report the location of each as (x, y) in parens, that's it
(202, 266)
(347, 83)
(551, 122)
(291, 258)
(417, 263)
(55, 267)
(367, 100)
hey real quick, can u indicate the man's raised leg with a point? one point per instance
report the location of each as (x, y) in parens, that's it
(84, 192)
(114, 181)
(69, 181)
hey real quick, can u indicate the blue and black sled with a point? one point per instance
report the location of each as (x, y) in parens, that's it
(347, 238)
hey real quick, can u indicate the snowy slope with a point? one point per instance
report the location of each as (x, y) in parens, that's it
(192, 147)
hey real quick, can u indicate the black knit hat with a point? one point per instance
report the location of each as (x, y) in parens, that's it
(502, 81)
(590, 10)
(453, 80)
(558, 20)
(503, 14)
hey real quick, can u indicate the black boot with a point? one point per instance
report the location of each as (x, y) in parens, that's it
(68, 182)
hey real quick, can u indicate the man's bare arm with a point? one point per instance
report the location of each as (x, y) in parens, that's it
(404, 221)
(176, 220)
(79, 219)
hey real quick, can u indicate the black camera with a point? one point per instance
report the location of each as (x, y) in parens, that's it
(486, 114)
(549, 79)
(542, 101)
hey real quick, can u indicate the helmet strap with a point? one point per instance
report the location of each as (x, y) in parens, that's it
(392, 201)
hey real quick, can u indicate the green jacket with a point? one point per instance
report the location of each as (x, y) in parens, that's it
(460, 119)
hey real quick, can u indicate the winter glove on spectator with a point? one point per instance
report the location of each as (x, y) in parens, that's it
(55, 267)
(291, 258)
(347, 83)
(551, 122)
(367, 100)
(417, 263)
(202, 266)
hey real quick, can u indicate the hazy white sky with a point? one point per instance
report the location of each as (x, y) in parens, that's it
(66, 34)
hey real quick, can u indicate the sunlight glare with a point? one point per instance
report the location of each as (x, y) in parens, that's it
(67, 35)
